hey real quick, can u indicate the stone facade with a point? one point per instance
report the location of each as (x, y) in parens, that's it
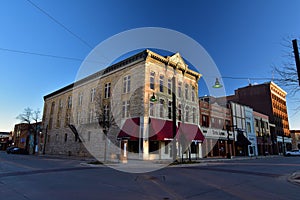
(85, 118)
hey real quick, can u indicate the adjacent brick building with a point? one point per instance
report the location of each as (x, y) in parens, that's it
(269, 99)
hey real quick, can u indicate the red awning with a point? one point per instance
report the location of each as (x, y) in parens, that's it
(190, 132)
(160, 130)
(130, 129)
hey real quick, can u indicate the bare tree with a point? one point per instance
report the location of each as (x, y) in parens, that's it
(287, 71)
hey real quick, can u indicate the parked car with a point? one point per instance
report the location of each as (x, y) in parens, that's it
(16, 150)
(293, 153)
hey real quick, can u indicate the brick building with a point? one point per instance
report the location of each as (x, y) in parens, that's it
(269, 99)
(213, 119)
(24, 136)
(109, 114)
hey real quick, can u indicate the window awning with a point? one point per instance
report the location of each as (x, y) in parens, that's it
(160, 130)
(130, 129)
(191, 132)
(242, 140)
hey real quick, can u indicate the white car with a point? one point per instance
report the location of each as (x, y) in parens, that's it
(293, 153)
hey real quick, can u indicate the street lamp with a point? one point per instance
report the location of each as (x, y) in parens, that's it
(217, 84)
(228, 139)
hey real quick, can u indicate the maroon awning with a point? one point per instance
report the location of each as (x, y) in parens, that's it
(190, 132)
(130, 129)
(160, 130)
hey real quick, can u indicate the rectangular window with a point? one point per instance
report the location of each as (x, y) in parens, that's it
(151, 109)
(106, 113)
(125, 110)
(78, 117)
(248, 127)
(179, 89)
(205, 121)
(67, 121)
(161, 108)
(93, 92)
(161, 83)
(126, 84)
(170, 109)
(80, 96)
(169, 86)
(91, 116)
(60, 104)
(193, 94)
(154, 147)
(179, 112)
(69, 101)
(166, 148)
(107, 90)
(186, 91)
(152, 80)
(187, 113)
(194, 115)
(52, 108)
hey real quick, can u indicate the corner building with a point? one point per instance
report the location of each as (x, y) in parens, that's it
(109, 114)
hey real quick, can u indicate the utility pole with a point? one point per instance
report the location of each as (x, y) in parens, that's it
(174, 118)
(297, 60)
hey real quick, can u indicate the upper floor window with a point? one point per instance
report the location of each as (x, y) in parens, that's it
(151, 109)
(186, 91)
(194, 115)
(126, 84)
(152, 80)
(187, 113)
(169, 109)
(161, 83)
(52, 108)
(106, 113)
(60, 104)
(170, 86)
(125, 109)
(161, 108)
(179, 112)
(179, 89)
(193, 94)
(91, 116)
(69, 101)
(107, 90)
(80, 97)
(93, 92)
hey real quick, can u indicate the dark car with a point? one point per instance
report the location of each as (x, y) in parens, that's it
(16, 150)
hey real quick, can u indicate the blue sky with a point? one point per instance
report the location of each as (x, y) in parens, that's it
(242, 37)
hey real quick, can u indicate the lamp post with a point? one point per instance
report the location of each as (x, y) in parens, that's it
(228, 139)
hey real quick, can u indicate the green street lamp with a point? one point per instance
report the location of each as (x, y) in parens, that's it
(217, 84)
(153, 98)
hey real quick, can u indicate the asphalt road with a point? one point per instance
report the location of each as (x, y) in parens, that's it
(36, 178)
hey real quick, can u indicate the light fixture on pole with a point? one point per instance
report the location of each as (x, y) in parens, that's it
(217, 84)
(153, 98)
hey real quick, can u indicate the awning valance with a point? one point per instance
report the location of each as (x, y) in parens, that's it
(130, 129)
(191, 132)
(160, 129)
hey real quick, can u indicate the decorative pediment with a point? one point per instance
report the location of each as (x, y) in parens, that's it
(176, 58)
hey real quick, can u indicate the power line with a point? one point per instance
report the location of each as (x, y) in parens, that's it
(248, 78)
(51, 56)
(41, 54)
(60, 24)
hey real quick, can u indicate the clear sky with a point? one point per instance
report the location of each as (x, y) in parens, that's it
(243, 38)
